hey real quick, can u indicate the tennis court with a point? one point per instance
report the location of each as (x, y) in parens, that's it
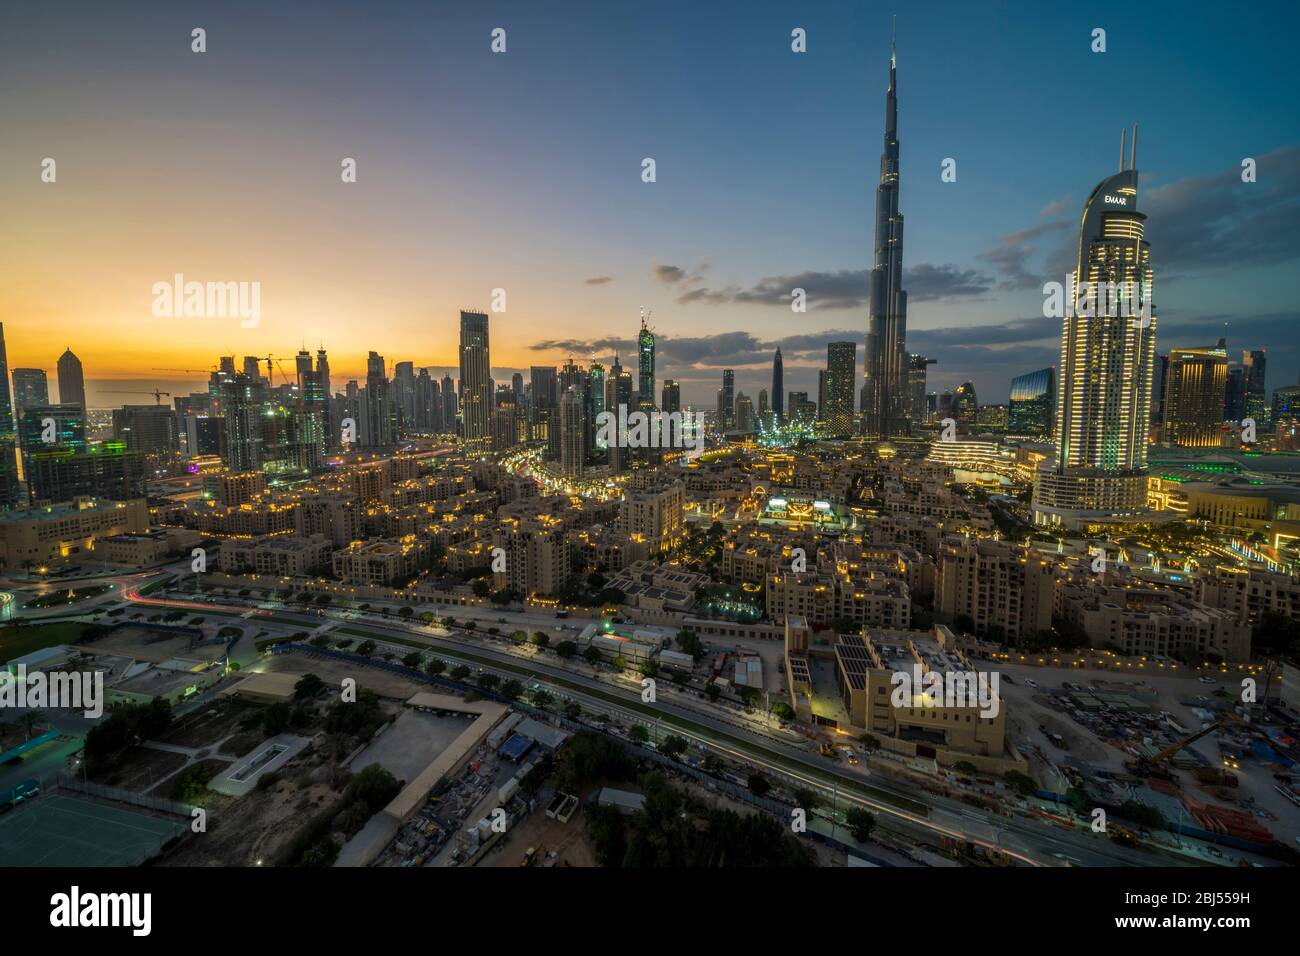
(62, 830)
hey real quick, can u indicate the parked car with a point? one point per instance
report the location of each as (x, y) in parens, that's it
(1206, 680)
(1031, 682)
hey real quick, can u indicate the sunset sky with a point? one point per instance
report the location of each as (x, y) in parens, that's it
(522, 171)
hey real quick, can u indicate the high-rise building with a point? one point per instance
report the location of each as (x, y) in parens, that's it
(572, 447)
(672, 396)
(378, 412)
(764, 406)
(744, 413)
(30, 388)
(1234, 396)
(778, 388)
(1107, 362)
(72, 381)
(449, 405)
(1254, 362)
(404, 392)
(917, 411)
(243, 403)
(1194, 389)
(837, 403)
(965, 405)
(885, 359)
(1033, 399)
(253, 368)
(148, 429)
(645, 342)
(9, 492)
(727, 401)
(475, 370)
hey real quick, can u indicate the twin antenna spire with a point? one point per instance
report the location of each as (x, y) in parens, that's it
(1133, 156)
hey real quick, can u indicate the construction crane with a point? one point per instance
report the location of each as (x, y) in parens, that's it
(190, 371)
(157, 395)
(268, 359)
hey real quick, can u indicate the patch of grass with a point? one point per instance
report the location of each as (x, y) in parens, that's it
(60, 597)
(19, 641)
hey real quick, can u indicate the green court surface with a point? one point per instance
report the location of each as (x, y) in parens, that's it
(60, 830)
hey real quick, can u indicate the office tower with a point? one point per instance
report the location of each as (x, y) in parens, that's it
(244, 401)
(837, 407)
(326, 399)
(30, 388)
(404, 392)
(944, 405)
(618, 391)
(645, 342)
(672, 396)
(104, 470)
(572, 448)
(1234, 397)
(545, 401)
(253, 368)
(821, 391)
(517, 384)
(378, 414)
(884, 361)
(965, 404)
(63, 425)
(594, 402)
(744, 413)
(148, 429)
(475, 370)
(450, 407)
(203, 435)
(72, 383)
(1254, 363)
(801, 411)
(1286, 405)
(1194, 391)
(917, 411)
(25, 387)
(778, 388)
(727, 405)
(1033, 400)
(505, 433)
(1103, 391)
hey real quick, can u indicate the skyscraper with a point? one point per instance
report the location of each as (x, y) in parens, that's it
(965, 404)
(645, 341)
(72, 383)
(475, 365)
(1194, 389)
(884, 362)
(8, 443)
(672, 396)
(1033, 400)
(30, 388)
(1254, 363)
(727, 401)
(778, 388)
(572, 448)
(837, 403)
(916, 375)
(1107, 362)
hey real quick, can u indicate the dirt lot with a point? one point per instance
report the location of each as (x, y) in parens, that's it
(209, 725)
(142, 768)
(568, 840)
(144, 645)
(332, 673)
(253, 828)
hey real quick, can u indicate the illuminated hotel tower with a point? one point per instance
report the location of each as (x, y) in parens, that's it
(885, 371)
(1108, 342)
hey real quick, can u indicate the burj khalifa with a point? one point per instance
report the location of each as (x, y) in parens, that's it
(884, 387)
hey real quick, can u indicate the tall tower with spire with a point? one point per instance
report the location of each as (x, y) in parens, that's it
(884, 392)
(778, 388)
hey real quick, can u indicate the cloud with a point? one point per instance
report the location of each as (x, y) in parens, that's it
(1218, 222)
(1055, 207)
(844, 289)
(597, 280)
(1015, 255)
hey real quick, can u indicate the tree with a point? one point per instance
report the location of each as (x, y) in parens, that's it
(758, 784)
(405, 611)
(860, 822)
(638, 734)
(519, 637)
(572, 710)
(307, 687)
(782, 710)
(511, 689)
(482, 588)
(713, 691)
(435, 667)
(592, 654)
(412, 660)
(488, 681)
(805, 798)
(541, 639)
(459, 672)
(673, 747)
(541, 698)
(566, 649)
(366, 648)
(1022, 784)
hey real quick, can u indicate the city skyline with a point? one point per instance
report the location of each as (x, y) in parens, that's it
(978, 247)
